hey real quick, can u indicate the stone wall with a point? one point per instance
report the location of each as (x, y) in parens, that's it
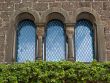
(9, 9)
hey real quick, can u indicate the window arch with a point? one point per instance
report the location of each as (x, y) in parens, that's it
(84, 41)
(25, 41)
(55, 41)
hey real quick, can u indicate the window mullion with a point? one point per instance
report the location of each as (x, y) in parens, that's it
(70, 33)
(40, 34)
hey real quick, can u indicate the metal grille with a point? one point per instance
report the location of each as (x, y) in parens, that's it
(26, 41)
(55, 41)
(84, 44)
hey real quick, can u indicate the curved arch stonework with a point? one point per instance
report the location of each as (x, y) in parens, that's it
(94, 17)
(55, 15)
(89, 10)
(16, 17)
(60, 11)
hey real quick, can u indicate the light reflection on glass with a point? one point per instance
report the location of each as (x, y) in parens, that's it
(84, 47)
(55, 41)
(26, 41)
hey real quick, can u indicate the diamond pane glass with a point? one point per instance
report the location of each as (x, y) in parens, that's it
(84, 44)
(55, 41)
(26, 37)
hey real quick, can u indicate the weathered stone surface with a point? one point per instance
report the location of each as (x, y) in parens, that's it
(46, 0)
(85, 4)
(1, 57)
(2, 38)
(56, 4)
(19, 6)
(41, 7)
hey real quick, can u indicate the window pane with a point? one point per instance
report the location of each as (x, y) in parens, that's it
(55, 41)
(84, 44)
(26, 38)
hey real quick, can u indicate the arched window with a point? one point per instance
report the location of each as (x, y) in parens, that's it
(55, 41)
(25, 41)
(84, 41)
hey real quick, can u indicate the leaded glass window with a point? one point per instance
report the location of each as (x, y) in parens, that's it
(55, 41)
(84, 41)
(26, 41)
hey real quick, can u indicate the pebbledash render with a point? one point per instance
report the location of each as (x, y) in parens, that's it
(40, 12)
